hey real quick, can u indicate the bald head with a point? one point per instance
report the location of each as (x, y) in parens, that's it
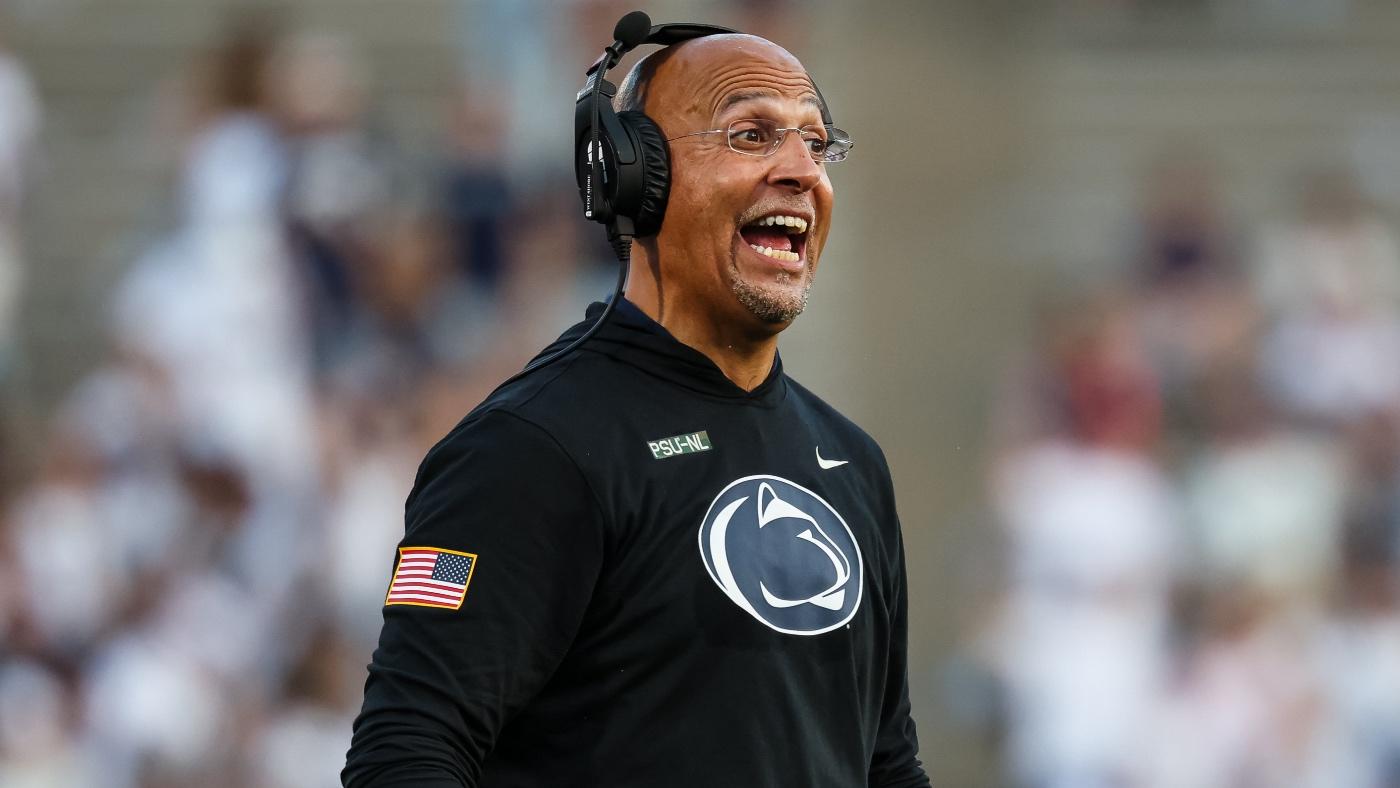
(632, 93)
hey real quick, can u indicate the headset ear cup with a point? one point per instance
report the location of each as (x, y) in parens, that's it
(655, 160)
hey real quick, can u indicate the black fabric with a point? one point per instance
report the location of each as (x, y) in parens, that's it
(602, 642)
(656, 172)
(676, 32)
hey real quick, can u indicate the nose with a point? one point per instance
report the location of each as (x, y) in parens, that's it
(793, 166)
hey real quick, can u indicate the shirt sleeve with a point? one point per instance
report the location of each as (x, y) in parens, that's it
(896, 760)
(443, 682)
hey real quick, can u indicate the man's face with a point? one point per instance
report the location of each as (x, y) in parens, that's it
(718, 242)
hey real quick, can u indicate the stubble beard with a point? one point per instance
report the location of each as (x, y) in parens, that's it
(775, 306)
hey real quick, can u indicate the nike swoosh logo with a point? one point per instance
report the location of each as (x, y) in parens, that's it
(827, 465)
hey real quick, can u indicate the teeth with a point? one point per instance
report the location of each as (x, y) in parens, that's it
(795, 222)
(776, 254)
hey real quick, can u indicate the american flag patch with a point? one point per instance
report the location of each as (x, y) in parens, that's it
(432, 577)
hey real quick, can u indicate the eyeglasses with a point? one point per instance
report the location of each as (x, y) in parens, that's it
(761, 137)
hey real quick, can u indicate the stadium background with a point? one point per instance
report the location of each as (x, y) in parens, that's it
(1114, 282)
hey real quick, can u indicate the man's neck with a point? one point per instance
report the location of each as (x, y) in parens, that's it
(745, 358)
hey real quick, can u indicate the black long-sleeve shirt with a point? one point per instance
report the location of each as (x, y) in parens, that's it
(671, 582)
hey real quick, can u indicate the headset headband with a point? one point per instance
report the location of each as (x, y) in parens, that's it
(662, 35)
(669, 35)
(674, 33)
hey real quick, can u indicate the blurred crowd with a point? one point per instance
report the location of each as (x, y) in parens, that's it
(1197, 487)
(1195, 475)
(192, 571)
(193, 565)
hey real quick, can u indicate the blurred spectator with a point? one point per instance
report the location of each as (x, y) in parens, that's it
(1373, 498)
(235, 170)
(416, 313)
(153, 715)
(303, 742)
(123, 415)
(1359, 657)
(1185, 237)
(1195, 308)
(1090, 533)
(1244, 707)
(1335, 255)
(216, 304)
(1265, 501)
(478, 203)
(63, 548)
(371, 454)
(1330, 280)
(1088, 379)
(336, 177)
(38, 746)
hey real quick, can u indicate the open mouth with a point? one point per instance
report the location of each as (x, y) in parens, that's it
(782, 237)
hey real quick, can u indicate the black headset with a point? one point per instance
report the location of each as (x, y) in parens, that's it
(621, 159)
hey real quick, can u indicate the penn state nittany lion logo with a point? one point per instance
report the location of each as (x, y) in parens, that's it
(782, 554)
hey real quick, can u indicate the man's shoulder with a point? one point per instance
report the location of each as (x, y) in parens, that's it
(506, 435)
(831, 419)
(545, 405)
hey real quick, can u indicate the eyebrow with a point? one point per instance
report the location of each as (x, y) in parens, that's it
(741, 96)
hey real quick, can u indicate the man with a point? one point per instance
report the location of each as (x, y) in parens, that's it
(660, 561)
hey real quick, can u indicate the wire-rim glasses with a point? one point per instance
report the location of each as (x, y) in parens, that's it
(763, 137)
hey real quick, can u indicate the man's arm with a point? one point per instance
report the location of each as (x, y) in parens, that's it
(896, 760)
(443, 682)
